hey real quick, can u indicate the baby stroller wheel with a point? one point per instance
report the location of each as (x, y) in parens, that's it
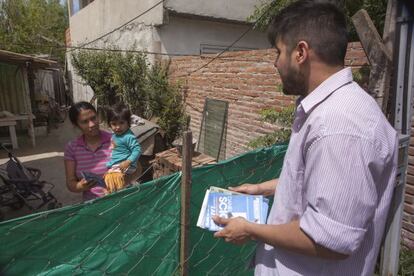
(18, 204)
(54, 205)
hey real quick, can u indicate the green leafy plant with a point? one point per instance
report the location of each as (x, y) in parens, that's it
(97, 70)
(361, 76)
(264, 12)
(283, 119)
(165, 101)
(128, 77)
(267, 9)
(406, 266)
(30, 26)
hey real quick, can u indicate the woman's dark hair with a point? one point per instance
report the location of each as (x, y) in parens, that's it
(75, 110)
(117, 113)
(321, 25)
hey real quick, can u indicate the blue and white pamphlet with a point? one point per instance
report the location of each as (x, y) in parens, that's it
(227, 204)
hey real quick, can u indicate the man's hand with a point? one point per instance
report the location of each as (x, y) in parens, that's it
(235, 230)
(124, 165)
(266, 188)
(250, 189)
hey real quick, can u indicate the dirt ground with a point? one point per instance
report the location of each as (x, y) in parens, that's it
(48, 157)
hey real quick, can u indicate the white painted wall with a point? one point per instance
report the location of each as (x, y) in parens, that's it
(184, 36)
(103, 16)
(81, 92)
(228, 9)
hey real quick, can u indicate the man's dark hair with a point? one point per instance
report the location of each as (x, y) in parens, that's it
(321, 25)
(75, 110)
(117, 113)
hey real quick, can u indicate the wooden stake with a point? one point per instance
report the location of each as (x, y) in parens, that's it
(185, 200)
(378, 56)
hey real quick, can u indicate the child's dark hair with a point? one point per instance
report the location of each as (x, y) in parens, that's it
(75, 110)
(119, 112)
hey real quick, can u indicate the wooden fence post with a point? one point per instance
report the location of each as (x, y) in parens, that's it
(378, 56)
(187, 153)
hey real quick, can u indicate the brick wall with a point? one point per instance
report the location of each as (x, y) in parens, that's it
(248, 81)
(408, 218)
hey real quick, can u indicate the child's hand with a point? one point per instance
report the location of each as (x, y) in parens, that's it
(124, 165)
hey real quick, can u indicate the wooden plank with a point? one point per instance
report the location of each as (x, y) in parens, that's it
(185, 201)
(13, 137)
(29, 97)
(12, 131)
(169, 162)
(389, 26)
(378, 55)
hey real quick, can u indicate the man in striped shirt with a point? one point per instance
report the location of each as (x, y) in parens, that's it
(333, 195)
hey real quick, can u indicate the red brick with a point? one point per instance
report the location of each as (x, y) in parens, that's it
(408, 226)
(408, 218)
(410, 169)
(408, 243)
(409, 208)
(409, 199)
(409, 189)
(408, 235)
(410, 178)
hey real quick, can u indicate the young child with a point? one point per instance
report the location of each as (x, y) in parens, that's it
(125, 148)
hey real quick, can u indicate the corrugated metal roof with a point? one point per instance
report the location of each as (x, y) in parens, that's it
(15, 58)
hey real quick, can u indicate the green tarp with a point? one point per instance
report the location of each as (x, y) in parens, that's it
(135, 231)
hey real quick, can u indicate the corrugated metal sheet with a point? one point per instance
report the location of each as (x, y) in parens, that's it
(14, 89)
(16, 58)
(44, 83)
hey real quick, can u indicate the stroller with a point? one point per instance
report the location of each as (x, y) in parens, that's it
(21, 186)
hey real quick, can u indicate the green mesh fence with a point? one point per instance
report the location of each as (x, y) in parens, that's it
(135, 231)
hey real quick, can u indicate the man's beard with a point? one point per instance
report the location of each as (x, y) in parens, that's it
(293, 83)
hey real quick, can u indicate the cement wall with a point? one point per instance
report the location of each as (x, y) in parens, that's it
(102, 16)
(237, 10)
(184, 36)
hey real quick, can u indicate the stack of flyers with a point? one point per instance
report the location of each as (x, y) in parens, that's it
(227, 204)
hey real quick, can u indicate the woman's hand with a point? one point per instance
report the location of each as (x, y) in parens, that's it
(84, 185)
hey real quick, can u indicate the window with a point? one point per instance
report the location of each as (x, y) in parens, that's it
(77, 5)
